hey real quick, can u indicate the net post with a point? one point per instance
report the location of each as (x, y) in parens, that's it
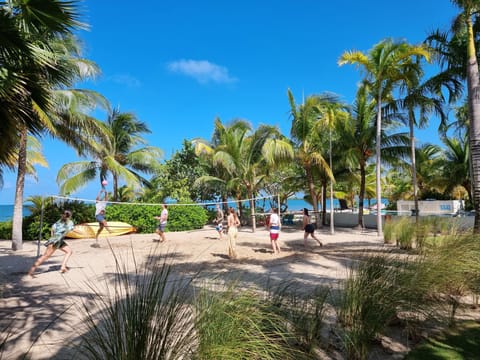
(41, 226)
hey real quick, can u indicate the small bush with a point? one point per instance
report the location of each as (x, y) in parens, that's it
(81, 212)
(405, 232)
(145, 315)
(368, 302)
(237, 325)
(305, 313)
(6, 230)
(389, 231)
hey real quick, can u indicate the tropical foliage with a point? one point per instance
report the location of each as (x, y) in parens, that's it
(332, 150)
(118, 152)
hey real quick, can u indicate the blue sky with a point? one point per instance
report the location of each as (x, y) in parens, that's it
(180, 64)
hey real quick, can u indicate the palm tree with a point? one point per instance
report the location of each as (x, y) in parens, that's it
(358, 140)
(246, 155)
(464, 23)
(455, 165)
(332, 110)
(64, 120)
(428, 167)
(387, 65)
(307, 143)
(37, 59)
(421, 96)
(29, 64)
(118, 152)
(222, 183)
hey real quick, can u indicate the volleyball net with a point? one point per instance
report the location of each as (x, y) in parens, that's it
(261, 202)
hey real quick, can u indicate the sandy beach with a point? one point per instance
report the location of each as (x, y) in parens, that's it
(45, 310)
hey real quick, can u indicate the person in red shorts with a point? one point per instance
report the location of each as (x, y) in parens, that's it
(274, 229)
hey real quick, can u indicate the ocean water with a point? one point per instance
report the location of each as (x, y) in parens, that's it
(299, 204)
(6, 212)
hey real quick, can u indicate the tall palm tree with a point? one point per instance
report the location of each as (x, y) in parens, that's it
(424, 98)
(29, 64)
(65, 119)
(386, 65)
(37, 59)
(223, 184)
(465, 20)
(119, 152)
(358, 138)
(307, 143)
(331, 111)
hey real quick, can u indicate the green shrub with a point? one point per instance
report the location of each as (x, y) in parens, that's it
(389, 231)
(368, 302)
(143, 314)
(81, 212)
(304, 312)
(6, 230)
(422, 233)
(140, 216)
(239, 325)
(180, 218)
(404, 234)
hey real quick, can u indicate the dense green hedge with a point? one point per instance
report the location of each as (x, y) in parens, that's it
(180, 218)
(6, 230)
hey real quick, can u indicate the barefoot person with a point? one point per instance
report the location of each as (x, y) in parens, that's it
(309, 228)
(232, 226)
(162, 223)
(219, 221)
(274, 229)
(58, 231)
(100, 205)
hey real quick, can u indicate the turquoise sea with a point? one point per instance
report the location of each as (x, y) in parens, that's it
(6, 212)
(300, 204)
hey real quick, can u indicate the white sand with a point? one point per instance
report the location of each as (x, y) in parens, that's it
(33, 304)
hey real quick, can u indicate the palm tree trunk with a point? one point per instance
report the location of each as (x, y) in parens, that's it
(324, 203)
(379, 165)
(313, 195)
(115, 187)
(224, 205)
(414, 164)
(252, 209)
(361, 196)
(474, 109)
(17, 222)
(239, 206)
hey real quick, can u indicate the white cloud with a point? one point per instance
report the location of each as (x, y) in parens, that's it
(201, 70)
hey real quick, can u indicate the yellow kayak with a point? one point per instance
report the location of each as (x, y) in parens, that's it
(88, 230)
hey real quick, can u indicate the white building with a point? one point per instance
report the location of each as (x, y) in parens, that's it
(430, 207)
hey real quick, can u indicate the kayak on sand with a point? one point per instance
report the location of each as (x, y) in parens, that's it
(88, 230)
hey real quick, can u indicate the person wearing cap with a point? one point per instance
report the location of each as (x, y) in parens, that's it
(56, 241)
